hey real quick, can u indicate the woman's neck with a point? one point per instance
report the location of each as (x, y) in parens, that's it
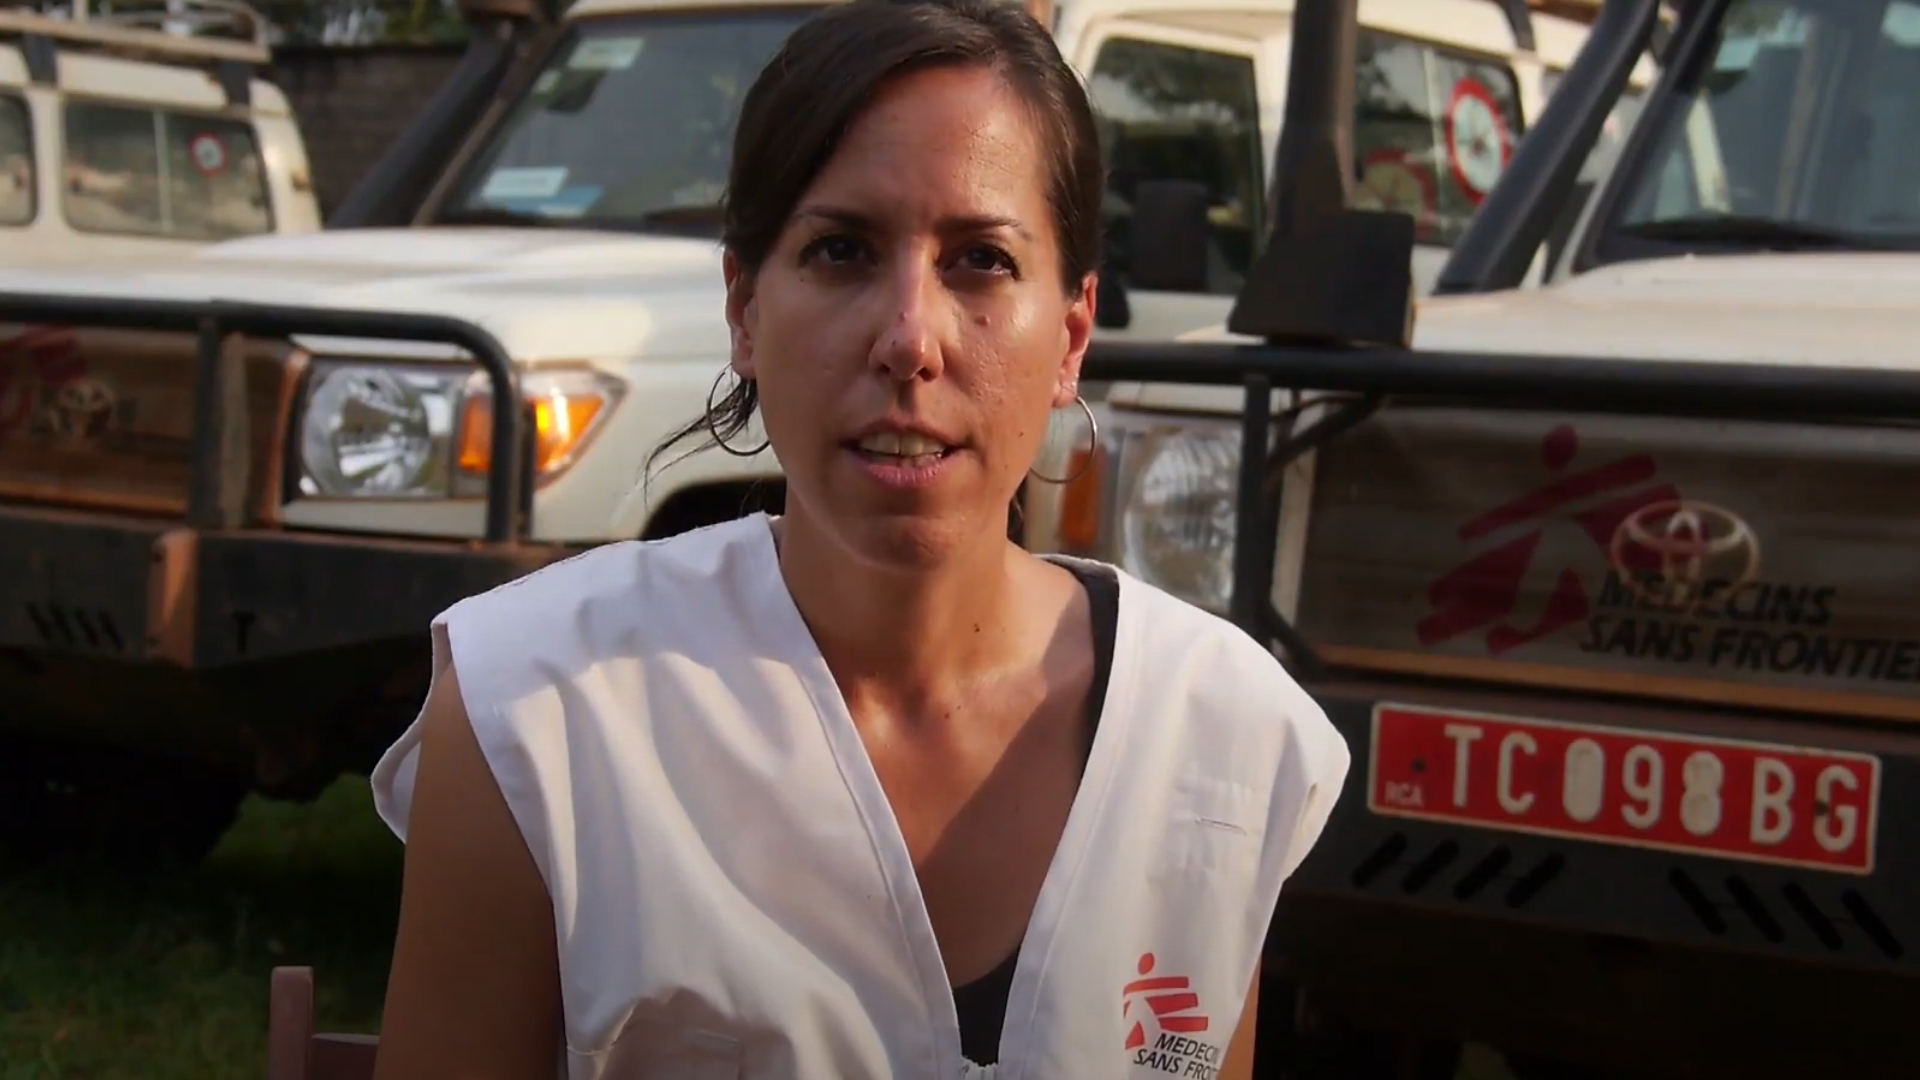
(906, 633)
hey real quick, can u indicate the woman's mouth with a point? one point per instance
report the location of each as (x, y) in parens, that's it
(901, 459)
(902, 448)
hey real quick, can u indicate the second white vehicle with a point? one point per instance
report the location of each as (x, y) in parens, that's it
(142, 133)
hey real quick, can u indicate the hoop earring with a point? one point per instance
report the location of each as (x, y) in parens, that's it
(1093, 444)
(714, 431)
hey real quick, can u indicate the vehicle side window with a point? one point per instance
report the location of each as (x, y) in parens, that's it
(1169, 112)
(16, 162)
(153, 172)
(1434, 129)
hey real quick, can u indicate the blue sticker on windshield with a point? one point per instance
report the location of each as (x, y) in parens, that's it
(606, 54)
(572, 202)
(516, 184)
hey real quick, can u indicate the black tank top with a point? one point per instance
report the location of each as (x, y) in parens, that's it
(982, 1003)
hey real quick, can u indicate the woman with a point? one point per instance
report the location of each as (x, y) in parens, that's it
(864, 791)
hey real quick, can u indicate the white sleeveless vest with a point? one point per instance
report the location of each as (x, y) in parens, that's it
(732, 897)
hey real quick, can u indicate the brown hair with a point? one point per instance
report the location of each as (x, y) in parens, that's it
(816, 86)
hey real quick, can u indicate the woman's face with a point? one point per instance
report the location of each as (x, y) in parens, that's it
(909, 331)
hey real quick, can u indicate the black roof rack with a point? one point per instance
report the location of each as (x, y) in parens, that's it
(186, 30)
(226, 37)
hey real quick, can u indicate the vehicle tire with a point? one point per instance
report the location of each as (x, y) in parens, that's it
(112, 808)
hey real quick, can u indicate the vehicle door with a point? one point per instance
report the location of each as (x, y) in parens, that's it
(1185, 105)
(145, 160)
(19, 182)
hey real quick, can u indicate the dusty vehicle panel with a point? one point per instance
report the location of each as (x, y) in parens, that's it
(1605, 553)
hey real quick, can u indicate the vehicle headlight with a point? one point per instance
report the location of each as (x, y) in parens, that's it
(391, 430)
(1160, 501)
(1178, 508)
(378, 431)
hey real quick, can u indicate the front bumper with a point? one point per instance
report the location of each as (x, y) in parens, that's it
(141, 591)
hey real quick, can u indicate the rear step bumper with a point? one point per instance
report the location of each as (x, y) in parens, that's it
(1868, 921)
(138, 590)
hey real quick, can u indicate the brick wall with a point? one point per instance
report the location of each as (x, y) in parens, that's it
(352, 102)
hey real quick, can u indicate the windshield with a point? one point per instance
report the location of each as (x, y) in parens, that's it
(1798, 133)
(630, 123)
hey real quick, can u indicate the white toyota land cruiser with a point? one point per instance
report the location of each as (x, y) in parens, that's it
(1613, 583)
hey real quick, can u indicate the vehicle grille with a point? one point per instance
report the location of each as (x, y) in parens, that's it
(1489, 874)
(104, 418)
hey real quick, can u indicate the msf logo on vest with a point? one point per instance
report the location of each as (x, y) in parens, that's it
(1165, 1026)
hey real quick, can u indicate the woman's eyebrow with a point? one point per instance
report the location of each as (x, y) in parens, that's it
(949, 225)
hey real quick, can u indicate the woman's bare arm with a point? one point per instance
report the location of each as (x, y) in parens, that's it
(474, 992)
(1238, 1063)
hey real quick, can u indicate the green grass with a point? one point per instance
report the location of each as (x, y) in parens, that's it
(101, 980)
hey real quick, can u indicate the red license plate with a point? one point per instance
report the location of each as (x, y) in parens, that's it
(1757, 802)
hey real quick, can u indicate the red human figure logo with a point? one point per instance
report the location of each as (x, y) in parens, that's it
(48, 355)
(1169, 1001)
(1483, 592)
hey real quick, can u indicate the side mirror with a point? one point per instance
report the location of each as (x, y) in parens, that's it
(1169, 236)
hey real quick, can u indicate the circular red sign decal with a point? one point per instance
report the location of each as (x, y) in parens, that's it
(1479, 143)
(209, 154)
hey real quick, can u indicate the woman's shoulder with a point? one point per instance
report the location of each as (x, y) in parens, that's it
(624, 575)
(598, 618)
(1230, 687)
(1178, 632)
(620, 603)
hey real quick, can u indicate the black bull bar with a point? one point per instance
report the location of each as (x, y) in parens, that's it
(1369, 377)
(219, 441)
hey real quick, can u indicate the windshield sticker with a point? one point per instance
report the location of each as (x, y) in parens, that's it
(209, 154)
(541, 182)
(1479, 143)
(573, 202)
(606, 54)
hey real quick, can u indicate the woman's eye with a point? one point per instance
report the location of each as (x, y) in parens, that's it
(987, 259)
(834, 250)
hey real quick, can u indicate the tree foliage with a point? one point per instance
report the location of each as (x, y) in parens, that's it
(289, 22)
(364, 22)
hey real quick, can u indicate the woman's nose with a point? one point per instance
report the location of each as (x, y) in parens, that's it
(916, 308)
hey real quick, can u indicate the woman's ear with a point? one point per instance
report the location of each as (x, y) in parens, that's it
(1076, 335)
(742, 313)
